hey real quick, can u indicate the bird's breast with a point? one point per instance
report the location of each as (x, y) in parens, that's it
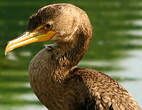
(43, 80)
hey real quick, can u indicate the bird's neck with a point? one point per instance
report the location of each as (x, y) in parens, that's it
(74, 50)
(68, 54)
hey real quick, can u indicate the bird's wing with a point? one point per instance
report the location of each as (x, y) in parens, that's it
(105, 92)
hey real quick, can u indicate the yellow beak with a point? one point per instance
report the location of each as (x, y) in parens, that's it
(28, 38)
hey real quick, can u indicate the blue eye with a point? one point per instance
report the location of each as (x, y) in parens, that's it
(48, 26)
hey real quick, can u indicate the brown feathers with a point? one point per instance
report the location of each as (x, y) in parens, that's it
(54, 75)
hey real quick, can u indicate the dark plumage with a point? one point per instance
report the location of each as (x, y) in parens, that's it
(54, 76)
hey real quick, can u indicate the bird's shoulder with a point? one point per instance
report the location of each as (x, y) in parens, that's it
(107, 93)
(91, 77)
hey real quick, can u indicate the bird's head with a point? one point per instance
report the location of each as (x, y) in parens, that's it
(57, 22)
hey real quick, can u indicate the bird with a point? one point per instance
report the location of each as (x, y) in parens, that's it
(54, 74)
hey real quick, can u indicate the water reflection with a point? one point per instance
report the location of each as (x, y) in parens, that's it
(115, 47)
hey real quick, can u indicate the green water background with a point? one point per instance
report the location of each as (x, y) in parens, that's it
(116, 31)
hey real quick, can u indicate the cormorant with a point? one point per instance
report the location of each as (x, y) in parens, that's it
(54, 76)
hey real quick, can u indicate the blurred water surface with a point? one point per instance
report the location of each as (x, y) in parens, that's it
(116, 47)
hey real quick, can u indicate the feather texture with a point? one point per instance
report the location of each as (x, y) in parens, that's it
(54, 76)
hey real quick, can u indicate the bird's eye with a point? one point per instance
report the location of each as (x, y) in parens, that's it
(47, 26)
